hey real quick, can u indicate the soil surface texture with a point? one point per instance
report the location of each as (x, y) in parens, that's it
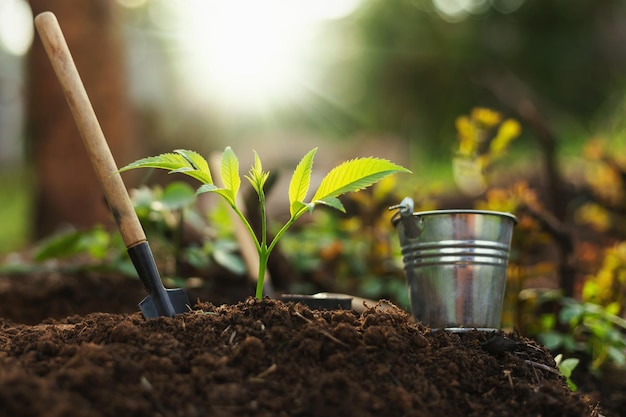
(268, 358)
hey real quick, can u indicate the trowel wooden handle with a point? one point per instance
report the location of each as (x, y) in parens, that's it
(90, 130)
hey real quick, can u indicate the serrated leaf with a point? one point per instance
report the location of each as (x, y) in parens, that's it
(179, 161)
(300, 181)
(355, 175)
(333, 202)
(169, 161)
(198, 163)
(211, 188)
(193, 173)
(230, 172)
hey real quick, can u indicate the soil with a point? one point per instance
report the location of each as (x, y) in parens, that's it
(258, 358)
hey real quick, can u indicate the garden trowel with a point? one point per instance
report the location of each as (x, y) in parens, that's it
(160, 301)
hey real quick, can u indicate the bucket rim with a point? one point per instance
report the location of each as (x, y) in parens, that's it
(460, 211)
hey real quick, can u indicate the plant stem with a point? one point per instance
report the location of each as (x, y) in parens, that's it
(264, 251)
(261, 247)
(263, 258)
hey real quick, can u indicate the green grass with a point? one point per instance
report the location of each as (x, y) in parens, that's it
(15, 213)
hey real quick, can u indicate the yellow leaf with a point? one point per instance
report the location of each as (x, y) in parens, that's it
(486, 117)
(468, 136)
(508, 130)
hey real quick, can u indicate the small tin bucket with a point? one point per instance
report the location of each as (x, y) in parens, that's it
(455, 263)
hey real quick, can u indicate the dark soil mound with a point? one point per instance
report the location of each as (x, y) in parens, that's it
(266, 358)
(35, 297)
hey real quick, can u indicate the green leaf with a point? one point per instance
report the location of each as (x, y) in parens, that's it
(299, 206)
(256, 176)
(617, 355)
(355, 175)
(169, 161)
(229, 260)
(552, 340)
(198, 163)
(95, 242)
(227, 194)
(567, 366)
(571, 313)
(300, 181)
(230, 173)
(207, 188)
(333, 202)
(177, 195)
(212, 188)
(180, 161)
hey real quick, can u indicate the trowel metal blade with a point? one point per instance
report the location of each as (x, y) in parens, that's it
(178, 297)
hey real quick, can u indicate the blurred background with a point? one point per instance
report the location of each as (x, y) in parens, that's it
(508, 105)
(354, 77)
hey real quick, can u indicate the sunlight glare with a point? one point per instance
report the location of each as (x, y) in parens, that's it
(247, 52)
(330, 9)
(132, 4)
(16, 27)
(458, 10)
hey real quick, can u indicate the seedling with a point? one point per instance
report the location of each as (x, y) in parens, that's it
(350, 176)
(567, 366)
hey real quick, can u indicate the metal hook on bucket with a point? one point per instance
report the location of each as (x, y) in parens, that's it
(405, 215)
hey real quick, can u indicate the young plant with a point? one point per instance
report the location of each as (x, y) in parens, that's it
(352, 175)
(567, 366)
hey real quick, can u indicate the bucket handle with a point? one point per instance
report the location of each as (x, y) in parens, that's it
(411, 223)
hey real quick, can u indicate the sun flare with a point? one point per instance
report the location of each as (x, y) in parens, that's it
(245, 53)
(16, 29)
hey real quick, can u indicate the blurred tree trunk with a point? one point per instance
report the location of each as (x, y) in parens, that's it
(67, 190)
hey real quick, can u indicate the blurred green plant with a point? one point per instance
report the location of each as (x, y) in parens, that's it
(179, 233)
(585, 329)
(182, 234)
(91, 249)
(16, 196)
(95, 242)
(349, 176)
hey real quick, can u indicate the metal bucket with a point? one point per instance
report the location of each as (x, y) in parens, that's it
(455, 263)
